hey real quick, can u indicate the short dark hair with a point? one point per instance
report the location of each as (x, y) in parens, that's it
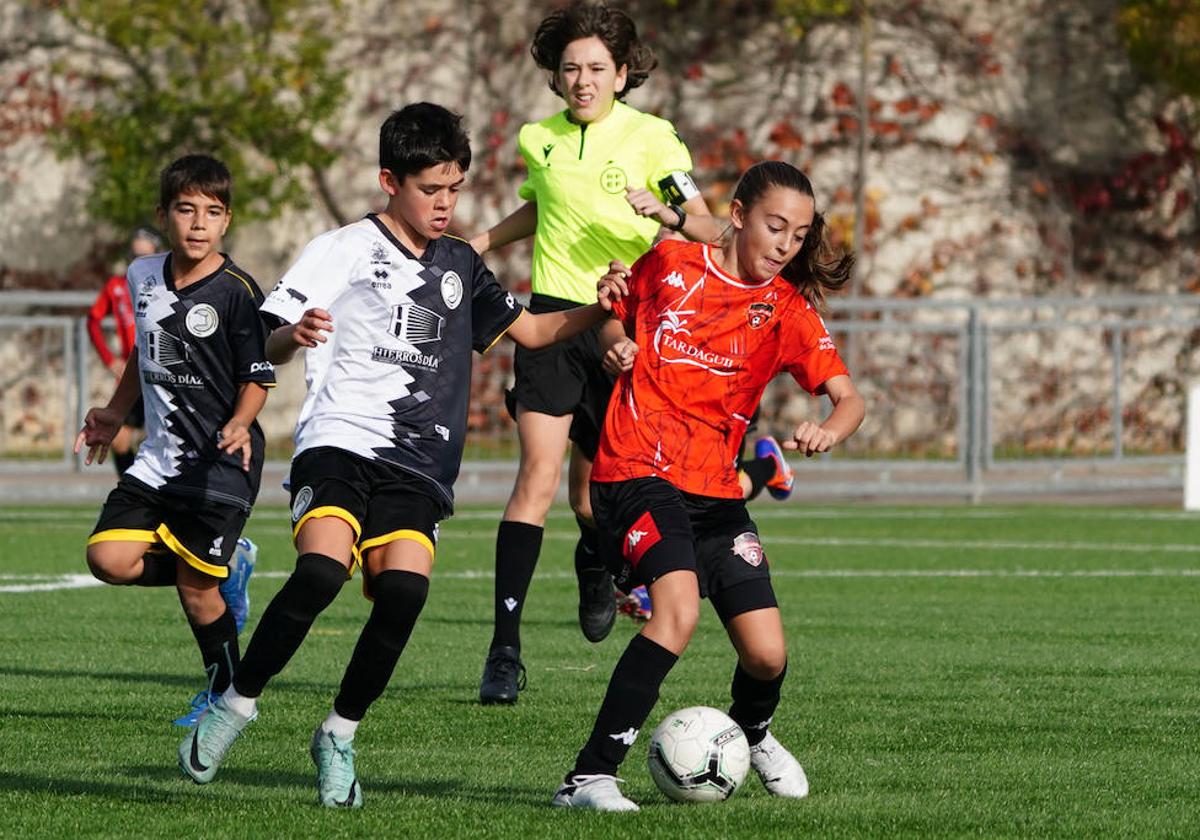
(818, 266)
(422, 135)
(584, 19)
(195, 173)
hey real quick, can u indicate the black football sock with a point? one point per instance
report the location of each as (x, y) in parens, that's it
(587, 549)
(632, 693)
(759, 471)
(754, 702)
(158, 569)
(517, 547)
(218, 645)
(399, 597)
(123, 460)
(286, 621)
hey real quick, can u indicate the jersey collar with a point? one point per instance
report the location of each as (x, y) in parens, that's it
(169, 275)
(430, 249)
(729, 278)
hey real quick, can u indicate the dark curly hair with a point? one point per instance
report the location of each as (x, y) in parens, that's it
(583, 19)
(818, 267)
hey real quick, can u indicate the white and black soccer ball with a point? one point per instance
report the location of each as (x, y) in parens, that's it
(698, 754)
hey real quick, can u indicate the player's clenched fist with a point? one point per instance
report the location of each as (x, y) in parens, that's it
(620, 356)
(310, 330)
(810, 439)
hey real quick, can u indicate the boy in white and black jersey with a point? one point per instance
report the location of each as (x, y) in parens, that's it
(200, 367)
(388, 310)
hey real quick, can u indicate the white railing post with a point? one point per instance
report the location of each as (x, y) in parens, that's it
(1191, 481)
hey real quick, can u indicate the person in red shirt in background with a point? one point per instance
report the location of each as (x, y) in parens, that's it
(699, 333)
(114, 300)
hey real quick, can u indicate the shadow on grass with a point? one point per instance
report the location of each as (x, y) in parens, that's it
(429, 788)
(86, 787)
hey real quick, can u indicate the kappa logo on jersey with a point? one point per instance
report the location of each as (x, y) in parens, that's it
(747, 546)
(452, 290)
(415, 324)
(627, 737)
(758, 314)
(202, 320)
(640, 538)
(674, 279)
(304, 497)
(215, 549)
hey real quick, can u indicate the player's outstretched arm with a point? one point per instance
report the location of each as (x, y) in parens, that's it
(545, 328)
(519, 224)
(309, 331)
(101, 425)
(235, 435)
(698, 223)
(848, 412)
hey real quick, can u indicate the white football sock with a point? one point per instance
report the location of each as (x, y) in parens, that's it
(339, 726)
(236, 703)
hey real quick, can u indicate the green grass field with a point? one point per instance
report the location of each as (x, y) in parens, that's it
(954, 671)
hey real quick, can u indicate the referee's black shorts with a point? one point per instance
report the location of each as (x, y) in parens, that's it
(566, 378)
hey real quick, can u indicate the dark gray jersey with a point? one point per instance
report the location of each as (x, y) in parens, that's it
(393, 381)
(195, 347)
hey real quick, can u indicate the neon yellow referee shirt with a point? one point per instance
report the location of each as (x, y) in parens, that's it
(577, 176)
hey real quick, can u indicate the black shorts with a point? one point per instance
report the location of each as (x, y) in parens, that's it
(564, 378)
(648, 527)
(203, 533)
(379, 501)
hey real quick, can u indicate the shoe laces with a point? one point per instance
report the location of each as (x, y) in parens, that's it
(219, 728)
(506, 666)
(339, 769)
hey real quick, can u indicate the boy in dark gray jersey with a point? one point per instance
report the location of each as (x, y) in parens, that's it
(176, 516)
(389, 311)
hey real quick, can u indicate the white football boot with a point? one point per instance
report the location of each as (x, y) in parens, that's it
(779, 770)
(593, 790)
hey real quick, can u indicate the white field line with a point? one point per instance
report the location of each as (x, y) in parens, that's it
(47, 583)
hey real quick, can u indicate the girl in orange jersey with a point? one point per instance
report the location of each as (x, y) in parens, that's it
(700, 332)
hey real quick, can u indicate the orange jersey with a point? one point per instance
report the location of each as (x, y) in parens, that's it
(708, 345)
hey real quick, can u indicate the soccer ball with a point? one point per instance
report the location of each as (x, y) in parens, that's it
(698, 755)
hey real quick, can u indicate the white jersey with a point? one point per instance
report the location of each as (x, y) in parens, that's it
(393, 380)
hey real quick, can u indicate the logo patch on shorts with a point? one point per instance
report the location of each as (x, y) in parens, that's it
(640, 538)
(303, 500)
(747, 546)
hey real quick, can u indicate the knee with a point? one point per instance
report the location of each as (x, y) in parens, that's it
(765, 662)
(317, 581)
(676, 621)
(108, 565)
(581, 504)
(202, 604)
(398, 588)
(539, 476)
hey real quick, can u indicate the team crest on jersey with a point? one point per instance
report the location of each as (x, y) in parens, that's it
(304, 498)
(379, 255)
(758, 314)
(415, 324)
(202, 320)
(452, 289)
(747, 546)
(613, 179)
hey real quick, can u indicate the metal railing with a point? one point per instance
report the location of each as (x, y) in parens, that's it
(949, 384)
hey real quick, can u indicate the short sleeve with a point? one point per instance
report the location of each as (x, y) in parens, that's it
(247, 338)
(807, 350)
(667, 154)
(527, 191)
(493, 310)
(315, 280)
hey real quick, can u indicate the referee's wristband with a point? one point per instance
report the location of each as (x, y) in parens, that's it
(681, 213)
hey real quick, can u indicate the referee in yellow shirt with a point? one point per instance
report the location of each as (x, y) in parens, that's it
(603, 180)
